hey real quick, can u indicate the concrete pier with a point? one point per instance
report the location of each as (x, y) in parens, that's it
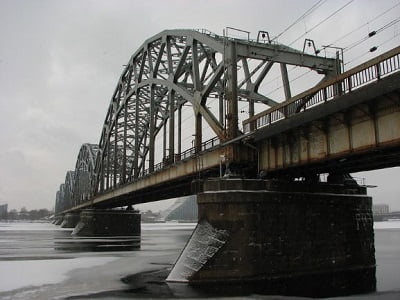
(108, 222)
(303, 239)
(70, 220)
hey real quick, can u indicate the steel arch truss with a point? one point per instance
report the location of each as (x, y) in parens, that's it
(178, 67)
(59, 207)
(85, 173)
(64, 196)
(174, 68)
(79, 184)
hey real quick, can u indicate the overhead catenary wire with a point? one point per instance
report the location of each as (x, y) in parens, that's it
(308, 12)
(342, 37)
(371, 34)
(321, 22)
(319, 3)
(373, 49)
(366, 23)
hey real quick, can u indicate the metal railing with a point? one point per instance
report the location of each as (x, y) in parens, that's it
(370, 71)
(185, 155)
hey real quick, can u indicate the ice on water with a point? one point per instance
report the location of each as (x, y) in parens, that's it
(18, 274)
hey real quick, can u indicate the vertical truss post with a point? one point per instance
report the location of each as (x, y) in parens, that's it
(101, 175)
(221, 109)
(115, 164)
(197, 88)
(137, 148)
(231, 90)
(180, 130)
(171, 141)
(195, 67)
(152, 129)
(123, 175)
(198, 133)
(108, 167)
(251, 108)
(285, 79)
(164, 142)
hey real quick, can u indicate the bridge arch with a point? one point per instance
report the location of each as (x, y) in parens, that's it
(59, 207)
(69, 184)
(85, 173)
(178, 68)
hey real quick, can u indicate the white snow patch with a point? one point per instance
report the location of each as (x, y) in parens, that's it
(168, 226)
(18, 274)
(394, 224)
(25, 226)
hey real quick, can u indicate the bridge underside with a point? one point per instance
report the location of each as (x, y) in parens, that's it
(358, 132)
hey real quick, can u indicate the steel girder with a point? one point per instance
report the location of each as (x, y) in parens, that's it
(196, 68)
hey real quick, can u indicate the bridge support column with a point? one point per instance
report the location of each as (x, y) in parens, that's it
(108, 222)
(70, 220)
(294, 239)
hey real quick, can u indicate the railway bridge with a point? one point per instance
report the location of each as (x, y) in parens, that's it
(190, 115)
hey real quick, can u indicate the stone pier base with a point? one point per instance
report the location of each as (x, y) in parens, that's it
(108, 222)
(70, 220)
(281, 238)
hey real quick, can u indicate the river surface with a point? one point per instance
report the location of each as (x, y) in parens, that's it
(42, 261)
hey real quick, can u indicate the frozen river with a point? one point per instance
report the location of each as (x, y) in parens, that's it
(42, 261)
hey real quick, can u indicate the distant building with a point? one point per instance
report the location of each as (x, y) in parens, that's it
(380, 209)
(150, 217)
(184, 209)
(3, 211)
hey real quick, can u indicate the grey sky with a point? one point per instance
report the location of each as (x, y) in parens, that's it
(60, 62)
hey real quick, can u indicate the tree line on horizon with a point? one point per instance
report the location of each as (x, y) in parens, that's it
(24, 214)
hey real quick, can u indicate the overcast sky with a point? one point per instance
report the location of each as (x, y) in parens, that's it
(60, 62)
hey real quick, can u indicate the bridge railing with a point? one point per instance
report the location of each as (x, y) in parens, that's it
(187, 154)
(370, 71)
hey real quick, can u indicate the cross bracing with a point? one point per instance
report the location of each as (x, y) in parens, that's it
(172, 70)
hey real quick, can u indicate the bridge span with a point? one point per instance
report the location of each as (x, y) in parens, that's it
(269, 208)
(347, 123)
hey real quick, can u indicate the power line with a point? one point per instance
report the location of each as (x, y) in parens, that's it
(372, 33)
(373, 19)
(361, 26)
(315, 6)
(373, 49)
(309, 11)
(321, 22)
